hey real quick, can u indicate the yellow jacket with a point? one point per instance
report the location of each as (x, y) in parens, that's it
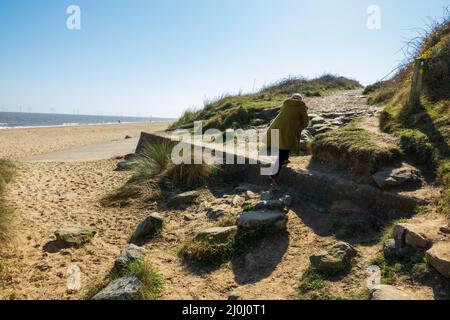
(291, 121)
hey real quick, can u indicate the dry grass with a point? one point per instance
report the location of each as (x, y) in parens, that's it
(7, 170)
(204, 253)
(188, 175)
(153, 173)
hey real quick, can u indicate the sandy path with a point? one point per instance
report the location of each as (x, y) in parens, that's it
(19, 143)
(93, 152)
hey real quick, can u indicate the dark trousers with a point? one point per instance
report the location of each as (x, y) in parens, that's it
(282, 158)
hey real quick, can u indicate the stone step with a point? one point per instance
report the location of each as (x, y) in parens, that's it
(315, 186)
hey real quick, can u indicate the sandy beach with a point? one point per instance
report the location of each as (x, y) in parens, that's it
(24, 142)
(50, 195)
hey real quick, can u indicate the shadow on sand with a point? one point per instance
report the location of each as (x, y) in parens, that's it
(258, 260)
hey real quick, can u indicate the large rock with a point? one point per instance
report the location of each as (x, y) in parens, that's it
(412, 235)
(279, 204)
(74, 235)
(270, 205)
(385, 292)
(217, 235)
(126, 288)
(131, 253)
(389, 249)
(334, 260)
(262, 221)
(148, 227)
(183, 198)
(394, 177)
(439, 257)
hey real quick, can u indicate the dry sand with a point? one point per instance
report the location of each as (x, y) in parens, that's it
(18, 143)
(50, 195)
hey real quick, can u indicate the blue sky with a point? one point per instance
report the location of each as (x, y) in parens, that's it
(159, 57)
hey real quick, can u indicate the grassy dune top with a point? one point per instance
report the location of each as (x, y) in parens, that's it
(241, 111)
(357, 149)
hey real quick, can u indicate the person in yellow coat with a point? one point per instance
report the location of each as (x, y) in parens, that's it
(291, 121)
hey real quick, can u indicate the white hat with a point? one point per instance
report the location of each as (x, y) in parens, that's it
(297, 96)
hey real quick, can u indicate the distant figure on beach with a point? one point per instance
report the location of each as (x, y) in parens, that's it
(291, 121)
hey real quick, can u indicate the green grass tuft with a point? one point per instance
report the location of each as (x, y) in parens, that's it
(155, 158)
(151, 281)
(153, 171)
(404, 265)
(189, 175)
(311, 280)
(248, 208)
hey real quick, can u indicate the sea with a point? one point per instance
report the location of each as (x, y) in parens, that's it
(28, 120)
